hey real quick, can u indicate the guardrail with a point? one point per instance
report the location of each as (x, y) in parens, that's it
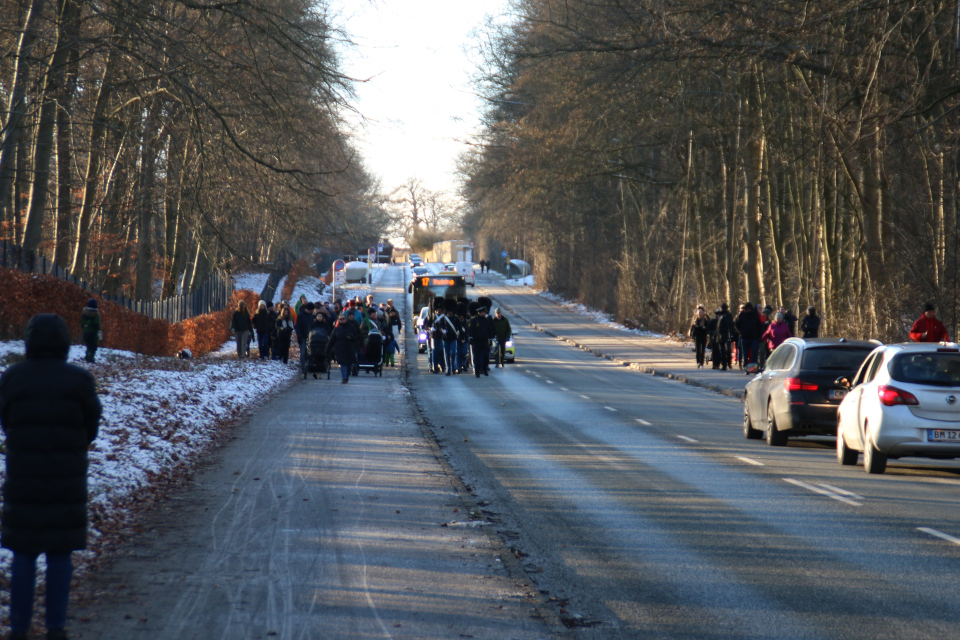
(213, 295)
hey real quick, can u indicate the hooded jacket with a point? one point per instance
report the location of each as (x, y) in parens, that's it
(49, 411)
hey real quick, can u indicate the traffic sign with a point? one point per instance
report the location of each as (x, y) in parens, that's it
(339, 265)
(471, 244)
(503, 254)
(380, 247)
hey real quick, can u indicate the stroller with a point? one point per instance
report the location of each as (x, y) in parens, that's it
(316, 351)
(371, 360)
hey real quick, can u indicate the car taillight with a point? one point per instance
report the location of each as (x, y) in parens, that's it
(796, 384)
(890, 396)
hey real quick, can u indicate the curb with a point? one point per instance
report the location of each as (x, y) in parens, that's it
(627, 363)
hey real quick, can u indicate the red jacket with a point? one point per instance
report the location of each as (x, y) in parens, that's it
(934, 329)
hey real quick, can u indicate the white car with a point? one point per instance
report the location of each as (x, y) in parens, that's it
(903, 402)
(468, 271)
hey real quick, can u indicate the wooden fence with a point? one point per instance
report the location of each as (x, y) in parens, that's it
(212, 295)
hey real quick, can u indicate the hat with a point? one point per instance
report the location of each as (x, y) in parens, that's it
(724, 306)
(811, 309)
(262, 303)
(481, 309)
(927, 307)
(91, 304)
(269, 304)
(309, 306)
(496, 311)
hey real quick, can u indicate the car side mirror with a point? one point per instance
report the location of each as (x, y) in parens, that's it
(842, 382)
(752, 368)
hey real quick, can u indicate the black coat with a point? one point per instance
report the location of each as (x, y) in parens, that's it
(748, 324)
(810, 326)
(479, 330)
(49, 411)
(344, 343)
(263, 321)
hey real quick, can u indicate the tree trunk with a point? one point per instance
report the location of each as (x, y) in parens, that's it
(71, 20)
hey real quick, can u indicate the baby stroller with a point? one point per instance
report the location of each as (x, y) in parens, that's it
(371, 360)
(317, 352)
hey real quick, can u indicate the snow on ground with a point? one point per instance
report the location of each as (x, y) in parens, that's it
(520, 282)
(598, 316)
(159, 416)
(308, 286)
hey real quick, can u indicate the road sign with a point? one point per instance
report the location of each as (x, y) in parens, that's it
(339, 265)
(503, 254)
(380, 247)
(340, 277)
(471, 244)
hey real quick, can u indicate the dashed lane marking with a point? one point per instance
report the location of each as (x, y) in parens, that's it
(610, 409)
(564, 389)
(939, 534)
(824, 492)
(755, 463)
(647, 424)
(584, 397)
(549, 381)
(843, 492)
(686, 439)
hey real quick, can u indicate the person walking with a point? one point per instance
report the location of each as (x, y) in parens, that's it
(502, 332)
(91, 329)
(748, 325)
(478, 331)
(285, 327)
(777, 333)
(810, 324)
(389, 350)
(343, 345)
(263, 323)
(483, 265)
(242, 324)
(49, 412)
(722, 337)
(302, 328)
(928, 327)
(698, 331)
(790, 319)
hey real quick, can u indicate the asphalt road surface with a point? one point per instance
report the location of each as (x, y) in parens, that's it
(639, 510)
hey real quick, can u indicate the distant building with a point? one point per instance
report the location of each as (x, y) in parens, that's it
(450, 251)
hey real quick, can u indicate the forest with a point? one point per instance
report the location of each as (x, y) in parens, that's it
(147, 143)
(647, 156)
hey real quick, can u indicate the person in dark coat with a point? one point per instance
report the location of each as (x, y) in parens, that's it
(302, 328)
(479, 334)
(263, 323)
(810, 325)
(503, 332)
(483, 265)
(451, 328)
(50, 413)
(343, 345)
(90, 327)
(242, 325)
(698, 331)
(748, 325)
(723, 336)
(285, 327)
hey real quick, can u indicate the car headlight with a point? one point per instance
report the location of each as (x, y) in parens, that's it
(509, 344)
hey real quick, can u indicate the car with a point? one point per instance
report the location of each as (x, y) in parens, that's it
(418, 272)
(903, 402)
(468, 271)
(797, 394)
(509, 350)
(415, 260)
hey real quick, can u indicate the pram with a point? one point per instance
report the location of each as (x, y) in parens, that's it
(317, 361)
(371, 359)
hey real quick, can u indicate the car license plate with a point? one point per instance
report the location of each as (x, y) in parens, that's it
(838, 394)
(943, 435)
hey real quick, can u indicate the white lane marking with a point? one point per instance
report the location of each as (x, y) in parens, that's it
(755, 463)
(939, 534)
(549, 381)
(564, 389)
(584, 397)
(822, 491)
(647, 424)
(686, 439)
(610, 409)
(843, 492)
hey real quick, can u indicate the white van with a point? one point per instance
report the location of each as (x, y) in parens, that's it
(466, 269)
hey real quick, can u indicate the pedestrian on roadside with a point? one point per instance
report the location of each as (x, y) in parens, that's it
(777, 333)
(502, 332)
(928, 327)
(722, 337)
(263, 324)
(302, 328)
(274, 316)
(790, 319)
(463, 342)
(302, 301)
(343, 345)
(389, 350)
(49, 412)
(483, 265)
(394, 324)
(766, 319)
(91, 329)
(285, 326)
(810, 325)
(698, 331)
(451, 335)
(242, 325)
(478, 331)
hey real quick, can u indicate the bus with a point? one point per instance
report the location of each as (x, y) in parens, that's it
(442, 285)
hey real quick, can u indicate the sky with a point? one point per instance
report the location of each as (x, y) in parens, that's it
(418, 104)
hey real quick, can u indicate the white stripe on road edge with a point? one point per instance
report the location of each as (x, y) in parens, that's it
(647, 424)
(755, 463)
(824, 492)
(686, 439)
(843, 492)
(538, 375)
(584, 397)
(549, 381)
(939, 534)
(564, 389)
(610, 409)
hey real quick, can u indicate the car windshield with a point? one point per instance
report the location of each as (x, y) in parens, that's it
(834, 358)
(940, 368)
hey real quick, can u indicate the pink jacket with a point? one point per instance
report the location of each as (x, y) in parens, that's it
(776, 334)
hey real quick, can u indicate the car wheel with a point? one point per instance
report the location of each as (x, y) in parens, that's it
(874, 462)
(845, 455)
(748, 431)
(775, 438)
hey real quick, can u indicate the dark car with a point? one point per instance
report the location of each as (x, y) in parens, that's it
(797, 394)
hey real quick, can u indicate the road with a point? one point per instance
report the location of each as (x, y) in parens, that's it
(640, 511)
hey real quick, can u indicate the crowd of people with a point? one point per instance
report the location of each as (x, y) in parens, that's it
(755, 332)
(346, 327)
(460, 334)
